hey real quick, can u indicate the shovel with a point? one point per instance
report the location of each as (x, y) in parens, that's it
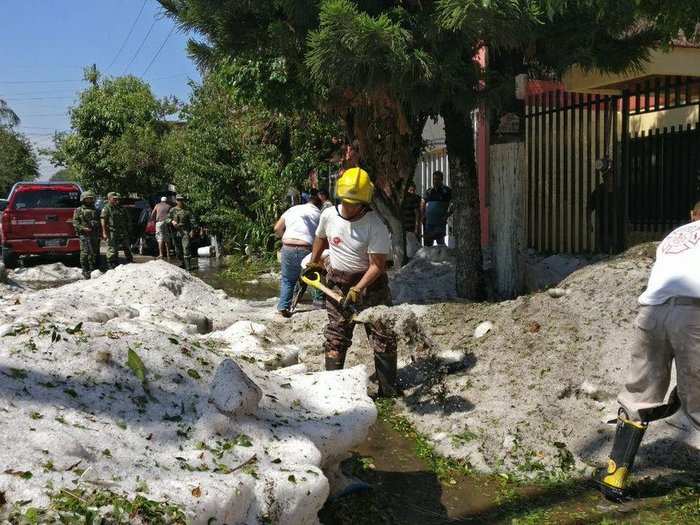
(298, 294)
(314, 279)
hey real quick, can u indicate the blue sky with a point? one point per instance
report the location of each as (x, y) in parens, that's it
(44, 45)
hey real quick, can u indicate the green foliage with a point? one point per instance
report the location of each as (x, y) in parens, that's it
(18, 161)
(77, 506)
(136, 365)
(118, 127)
(7, 116)
(237, 159)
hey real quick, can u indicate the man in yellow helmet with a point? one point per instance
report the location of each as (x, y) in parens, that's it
(358, 242)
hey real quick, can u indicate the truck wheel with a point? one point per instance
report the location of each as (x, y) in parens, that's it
(9, 258)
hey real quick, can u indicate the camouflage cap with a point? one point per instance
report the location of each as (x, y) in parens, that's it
(179, 197)
(86, 195)
(113, 194)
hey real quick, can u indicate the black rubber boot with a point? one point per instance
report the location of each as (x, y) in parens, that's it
(612, 481)
(385, 371)
(334, 363)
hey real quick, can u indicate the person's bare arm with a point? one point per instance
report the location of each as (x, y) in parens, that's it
(280, 227)
(320, 244)
(421, 211)
(377, 266)
(104, 229)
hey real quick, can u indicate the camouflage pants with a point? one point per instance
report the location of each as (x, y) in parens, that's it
(339, 330)
(114, 244)
(89, 252)
(182, 241)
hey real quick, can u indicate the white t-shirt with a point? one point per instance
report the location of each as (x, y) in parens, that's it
(351, 242)
(300, 222)
(676, 272)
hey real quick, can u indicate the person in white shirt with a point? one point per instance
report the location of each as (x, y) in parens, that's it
(297, 228)
(358, 243)
(668, 329)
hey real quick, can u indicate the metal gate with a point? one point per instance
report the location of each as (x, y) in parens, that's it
(606, 171)
(566, 134)
(661, 162)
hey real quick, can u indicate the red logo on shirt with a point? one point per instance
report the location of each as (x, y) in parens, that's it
(681, 240)
(336, 241)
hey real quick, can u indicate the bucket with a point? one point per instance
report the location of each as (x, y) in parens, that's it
(205, 251)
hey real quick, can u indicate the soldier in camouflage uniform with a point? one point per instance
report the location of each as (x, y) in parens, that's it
(86, 223)
(115, 230)
(181, 221)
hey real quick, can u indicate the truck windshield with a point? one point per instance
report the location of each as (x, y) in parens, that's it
(47, 199)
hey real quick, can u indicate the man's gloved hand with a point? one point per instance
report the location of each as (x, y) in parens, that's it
(314, 267)
(352, 299)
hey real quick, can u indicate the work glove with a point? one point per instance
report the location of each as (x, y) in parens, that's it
(314, 267)
(352, 299)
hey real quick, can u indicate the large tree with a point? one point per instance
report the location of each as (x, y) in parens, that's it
(115, 142)
(381, 68)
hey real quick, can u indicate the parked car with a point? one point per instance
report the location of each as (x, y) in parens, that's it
(38, 220)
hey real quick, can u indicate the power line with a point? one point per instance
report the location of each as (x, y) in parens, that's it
(140, 46)
(61, 81)
(40, 81)
(128, 35)
(46, 115)
(32, 93)
(13, 99)
(159, 50)
(39, 127)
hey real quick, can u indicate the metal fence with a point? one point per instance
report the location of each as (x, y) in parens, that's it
(601, 170)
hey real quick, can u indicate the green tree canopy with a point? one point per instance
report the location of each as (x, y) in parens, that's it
(18, 161)
(236, 161)
(115, 143)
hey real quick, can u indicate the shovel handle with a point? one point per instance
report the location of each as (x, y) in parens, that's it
(316, 283)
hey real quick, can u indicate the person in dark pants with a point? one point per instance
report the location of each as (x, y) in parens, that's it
(411, 218)
(359, 243)
(296, 227)
(435, 210)
(181, 221)
(86, 222)
(115, 230)
(602, 202)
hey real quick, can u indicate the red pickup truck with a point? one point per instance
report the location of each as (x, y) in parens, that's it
(38, 220)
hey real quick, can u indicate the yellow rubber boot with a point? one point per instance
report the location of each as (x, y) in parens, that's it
(612, 482)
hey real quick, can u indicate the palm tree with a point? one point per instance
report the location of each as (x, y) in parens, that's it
(7, 116)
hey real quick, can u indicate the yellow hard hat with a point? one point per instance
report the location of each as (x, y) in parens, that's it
(355, 187)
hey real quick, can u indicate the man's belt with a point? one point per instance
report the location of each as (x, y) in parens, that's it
(683, 301)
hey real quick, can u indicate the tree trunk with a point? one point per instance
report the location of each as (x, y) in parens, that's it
(398, 233)
(459, 138)
(390, 152)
